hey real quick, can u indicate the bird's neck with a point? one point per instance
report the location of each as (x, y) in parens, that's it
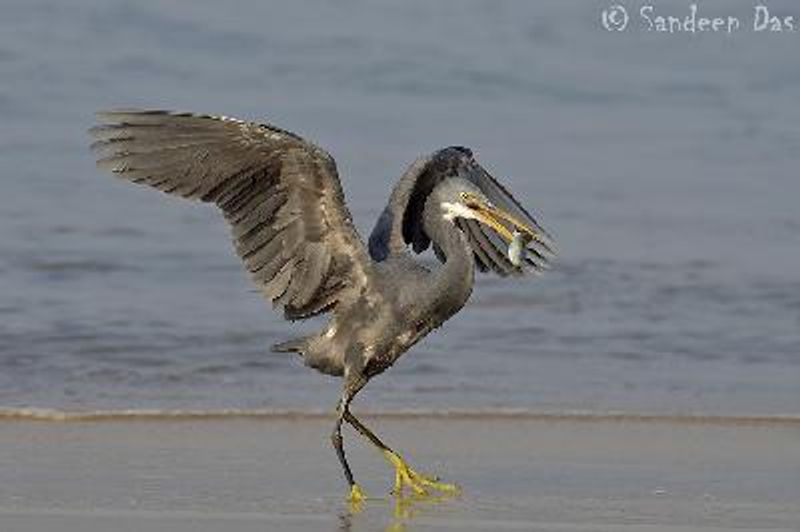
(454, 279)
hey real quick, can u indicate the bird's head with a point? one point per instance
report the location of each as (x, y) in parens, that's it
(460, 196)
(469, 203)
(451, 190)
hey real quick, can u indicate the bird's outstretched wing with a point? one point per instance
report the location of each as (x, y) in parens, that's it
(401, 223)
(280, 194)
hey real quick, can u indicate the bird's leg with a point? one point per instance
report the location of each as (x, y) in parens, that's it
(404, 475)
(357, 495)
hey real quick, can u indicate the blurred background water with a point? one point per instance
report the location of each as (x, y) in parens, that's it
(665, 165)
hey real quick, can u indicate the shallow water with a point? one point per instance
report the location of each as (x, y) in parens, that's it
(665, 165)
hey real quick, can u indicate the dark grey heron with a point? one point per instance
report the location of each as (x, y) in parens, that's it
(282, 197)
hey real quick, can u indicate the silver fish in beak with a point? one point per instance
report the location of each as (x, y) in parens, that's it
(518, 246)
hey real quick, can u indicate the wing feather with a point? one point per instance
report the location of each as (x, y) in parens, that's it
(280, 194)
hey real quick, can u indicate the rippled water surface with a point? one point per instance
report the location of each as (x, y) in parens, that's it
(666, 166)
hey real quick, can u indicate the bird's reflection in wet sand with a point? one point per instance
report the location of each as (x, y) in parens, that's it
(401, 511)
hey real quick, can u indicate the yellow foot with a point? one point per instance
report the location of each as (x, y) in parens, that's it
(356, 498)
(419, 484)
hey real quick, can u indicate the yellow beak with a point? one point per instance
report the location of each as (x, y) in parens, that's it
(505, 223)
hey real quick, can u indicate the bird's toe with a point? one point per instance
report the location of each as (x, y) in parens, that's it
(418, 483)
(356, 498)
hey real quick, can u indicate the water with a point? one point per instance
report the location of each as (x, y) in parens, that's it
(666, 166)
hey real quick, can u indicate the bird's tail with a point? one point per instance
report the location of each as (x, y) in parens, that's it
(295, 345)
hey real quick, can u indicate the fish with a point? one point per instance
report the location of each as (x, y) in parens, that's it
(518, 247)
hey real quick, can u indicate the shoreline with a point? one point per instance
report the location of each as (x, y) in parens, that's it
(124, 415)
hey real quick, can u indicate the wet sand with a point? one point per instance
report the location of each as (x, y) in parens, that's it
(279, 473)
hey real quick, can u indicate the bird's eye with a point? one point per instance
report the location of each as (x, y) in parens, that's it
(470, 200)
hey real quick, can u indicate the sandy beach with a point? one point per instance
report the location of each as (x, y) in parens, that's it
(517, 473)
